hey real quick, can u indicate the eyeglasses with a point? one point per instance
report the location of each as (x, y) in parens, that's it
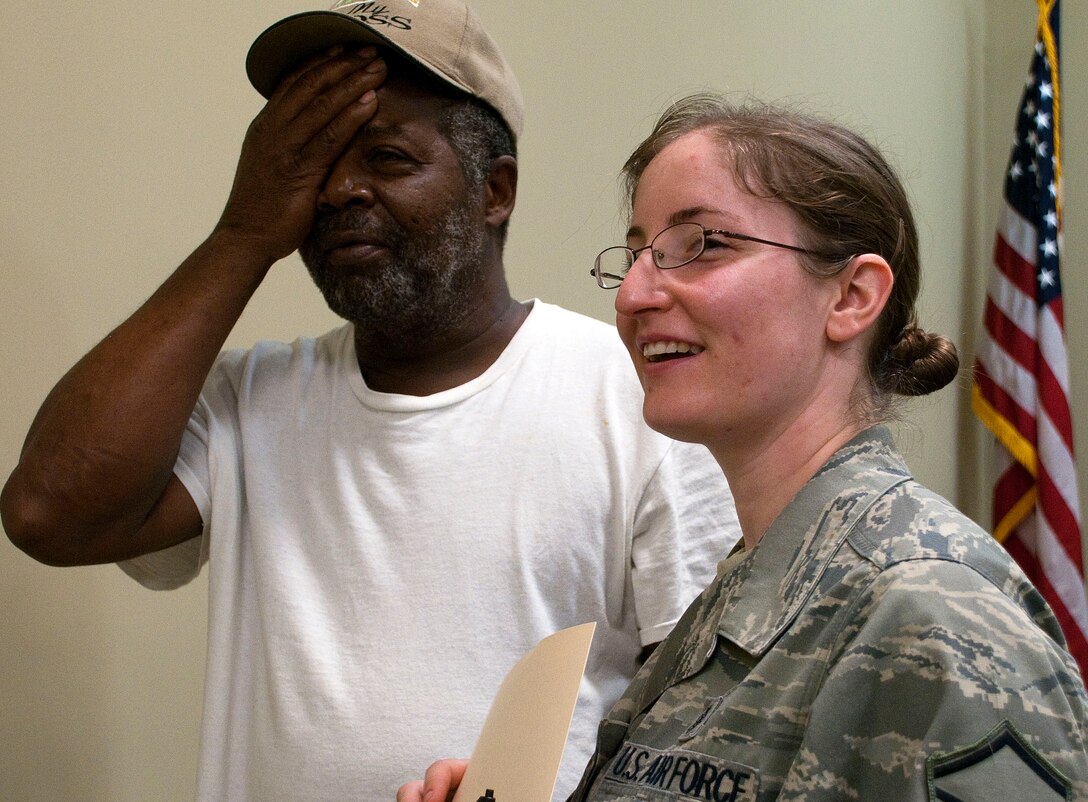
(674, 246)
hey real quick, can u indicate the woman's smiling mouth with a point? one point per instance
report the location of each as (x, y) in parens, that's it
(669, 349)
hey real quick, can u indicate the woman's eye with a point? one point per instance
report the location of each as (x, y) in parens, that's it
(715, 242)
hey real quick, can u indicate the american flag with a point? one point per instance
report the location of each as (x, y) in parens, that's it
(1021, 376)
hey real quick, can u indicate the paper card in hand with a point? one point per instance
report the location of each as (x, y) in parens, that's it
(517, 755)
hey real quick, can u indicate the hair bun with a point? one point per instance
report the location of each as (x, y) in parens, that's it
(919, 363)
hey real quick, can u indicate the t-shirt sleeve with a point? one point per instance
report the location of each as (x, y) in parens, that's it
(685, 523)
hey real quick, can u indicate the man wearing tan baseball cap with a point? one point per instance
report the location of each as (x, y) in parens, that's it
(395, 511)
(446, 38)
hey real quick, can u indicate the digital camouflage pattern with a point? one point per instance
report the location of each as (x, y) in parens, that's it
(876, 645)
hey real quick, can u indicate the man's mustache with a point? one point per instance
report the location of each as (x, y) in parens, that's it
(353, 220)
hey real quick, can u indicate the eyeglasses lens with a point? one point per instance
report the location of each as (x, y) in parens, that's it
(612, 266)
(677, 245)
(672, 247)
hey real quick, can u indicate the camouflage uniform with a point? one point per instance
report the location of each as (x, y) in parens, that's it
(877, 645)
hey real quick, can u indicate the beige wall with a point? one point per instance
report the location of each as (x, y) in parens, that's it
(120, 128)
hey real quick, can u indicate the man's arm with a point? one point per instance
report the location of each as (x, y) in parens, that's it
(95, 481)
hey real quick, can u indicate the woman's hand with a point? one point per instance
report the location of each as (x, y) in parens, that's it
(438, 784)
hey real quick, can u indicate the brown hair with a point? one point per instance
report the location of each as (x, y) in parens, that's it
(849, 201)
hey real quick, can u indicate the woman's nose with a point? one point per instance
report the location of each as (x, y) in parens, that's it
(642, 287)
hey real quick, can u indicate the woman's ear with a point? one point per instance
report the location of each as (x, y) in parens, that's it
(502, 189)
(863, 289)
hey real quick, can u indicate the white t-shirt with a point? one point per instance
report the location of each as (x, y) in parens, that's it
(378, 561)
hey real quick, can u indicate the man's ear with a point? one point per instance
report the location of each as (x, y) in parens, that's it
(502, 189)
(864, 286)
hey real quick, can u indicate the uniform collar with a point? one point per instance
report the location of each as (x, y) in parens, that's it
(758, 593)
(769, 586)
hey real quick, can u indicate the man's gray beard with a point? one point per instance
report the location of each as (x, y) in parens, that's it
(431, 283)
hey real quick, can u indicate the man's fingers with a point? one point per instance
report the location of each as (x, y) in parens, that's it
(314, 113)
(329, 75)
(308, 65)
(291, 145)
(340, 109)
(330, 141)
(317, 111)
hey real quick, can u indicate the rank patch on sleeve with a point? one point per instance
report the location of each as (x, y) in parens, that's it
(1000, 766)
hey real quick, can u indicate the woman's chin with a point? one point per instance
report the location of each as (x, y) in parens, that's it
(669, 422)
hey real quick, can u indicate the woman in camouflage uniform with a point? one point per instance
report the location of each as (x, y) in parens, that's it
(866, 641)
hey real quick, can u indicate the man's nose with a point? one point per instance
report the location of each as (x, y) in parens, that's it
(345, 185)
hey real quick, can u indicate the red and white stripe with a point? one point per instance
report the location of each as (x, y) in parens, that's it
(1022, 394)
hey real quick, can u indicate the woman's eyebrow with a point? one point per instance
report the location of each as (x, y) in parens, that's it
(684, 215)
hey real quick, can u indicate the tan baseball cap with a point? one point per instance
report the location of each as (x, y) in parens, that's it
(443, 36)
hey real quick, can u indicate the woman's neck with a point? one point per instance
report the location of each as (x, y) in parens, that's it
(764, 477)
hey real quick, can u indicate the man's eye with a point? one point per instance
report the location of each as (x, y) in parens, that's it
(389, 157)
